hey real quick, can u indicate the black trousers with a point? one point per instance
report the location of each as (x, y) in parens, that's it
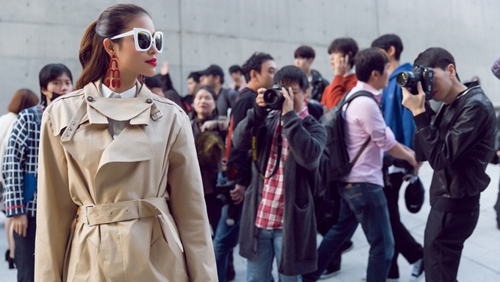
(445, 234)
(213, 210)
(25, 253)
(497, 207)
(404, 243)
(325, 226)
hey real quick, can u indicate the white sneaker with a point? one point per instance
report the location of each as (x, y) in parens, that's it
(418, 271)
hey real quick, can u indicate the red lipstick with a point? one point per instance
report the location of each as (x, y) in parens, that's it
(152, 62)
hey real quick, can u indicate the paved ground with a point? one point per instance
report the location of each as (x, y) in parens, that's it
(480, 259)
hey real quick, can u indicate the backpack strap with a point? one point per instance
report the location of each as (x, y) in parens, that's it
(348, 101)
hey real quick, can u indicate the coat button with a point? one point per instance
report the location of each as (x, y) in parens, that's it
(90, 99)
(149, 101)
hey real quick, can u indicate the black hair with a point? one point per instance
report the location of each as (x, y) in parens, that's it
(386, 41)
(194, 76)
(346, 46)
(93, 57)
(208, 88)
(235, 68)
(369, 60)
(435, 57)
(291, 74)
(306, 52)
(153, 82)
(50, 73)
(255, 63)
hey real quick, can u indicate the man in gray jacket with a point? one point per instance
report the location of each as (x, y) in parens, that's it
(278, 212)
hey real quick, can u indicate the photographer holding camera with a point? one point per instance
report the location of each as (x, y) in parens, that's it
(458, 145)
(278, 212)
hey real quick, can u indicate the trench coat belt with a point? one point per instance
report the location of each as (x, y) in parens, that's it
(129, 210)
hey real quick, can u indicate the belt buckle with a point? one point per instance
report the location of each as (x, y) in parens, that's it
(87, 215)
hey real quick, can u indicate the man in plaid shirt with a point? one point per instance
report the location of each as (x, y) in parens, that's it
(278, 212)
(20, 168)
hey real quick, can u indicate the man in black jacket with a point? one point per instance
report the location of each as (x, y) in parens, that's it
(304, 57)
(259, 71)
(458, 145)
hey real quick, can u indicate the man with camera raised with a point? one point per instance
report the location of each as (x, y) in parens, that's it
(458, 145)
(278, 212)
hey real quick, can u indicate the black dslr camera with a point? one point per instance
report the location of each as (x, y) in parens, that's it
(409, 79)
(222, 189)
(273, 97)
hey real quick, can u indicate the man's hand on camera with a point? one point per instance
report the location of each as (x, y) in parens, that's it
(342, 65)
(237, 194)
(414, 103)
(288, 104)
(260, 98)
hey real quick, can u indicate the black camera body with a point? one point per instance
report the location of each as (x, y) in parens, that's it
(222, 189)
(409, 79)
(273, 97)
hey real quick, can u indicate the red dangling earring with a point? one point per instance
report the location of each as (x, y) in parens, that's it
(113, 74)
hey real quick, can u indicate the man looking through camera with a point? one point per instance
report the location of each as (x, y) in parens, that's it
(458, 145)
(278, 211)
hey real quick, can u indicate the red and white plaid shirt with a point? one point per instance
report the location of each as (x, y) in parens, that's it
(270, 211)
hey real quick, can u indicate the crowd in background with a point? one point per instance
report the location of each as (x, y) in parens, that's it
(256, 162)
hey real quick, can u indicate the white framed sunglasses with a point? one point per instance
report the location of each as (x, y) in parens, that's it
(143, 39)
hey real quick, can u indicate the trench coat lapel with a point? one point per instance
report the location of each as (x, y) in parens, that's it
(132, 144)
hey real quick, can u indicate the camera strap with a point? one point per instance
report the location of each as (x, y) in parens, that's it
(228, 146)
(279, 141)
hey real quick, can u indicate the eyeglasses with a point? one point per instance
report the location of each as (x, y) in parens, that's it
(143, 39)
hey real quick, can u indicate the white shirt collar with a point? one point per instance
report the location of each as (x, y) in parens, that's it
(106, 92)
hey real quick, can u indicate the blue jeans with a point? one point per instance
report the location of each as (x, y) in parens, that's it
(363, 203)
(268, 246)
(226, 238)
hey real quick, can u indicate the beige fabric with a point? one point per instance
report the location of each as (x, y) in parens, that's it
(150, 160)
(116, 126)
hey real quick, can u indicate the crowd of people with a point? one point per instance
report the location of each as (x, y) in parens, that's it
(159, 186)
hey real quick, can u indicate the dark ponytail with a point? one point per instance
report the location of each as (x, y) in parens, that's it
(93, 57)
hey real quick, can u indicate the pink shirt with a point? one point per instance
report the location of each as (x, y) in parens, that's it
(365, 119)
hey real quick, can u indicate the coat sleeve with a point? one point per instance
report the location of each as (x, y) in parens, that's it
(13, 167)
(306, 143)
(188, 206)
(55, 209)
(459, 139)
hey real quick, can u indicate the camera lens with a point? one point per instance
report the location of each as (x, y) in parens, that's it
(273, 98)
(221, 200)
(407, 79)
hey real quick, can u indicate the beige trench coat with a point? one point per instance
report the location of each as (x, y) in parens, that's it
(139, 197)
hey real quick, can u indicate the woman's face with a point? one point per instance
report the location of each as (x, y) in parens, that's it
(131, 62)
(61, 85)
(204, 103)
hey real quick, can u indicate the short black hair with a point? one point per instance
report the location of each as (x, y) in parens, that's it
(290, 75)
(50, 73)
(368, 60)
(194, 75)
(435, 57)
(208, 88)
(306, 52)
(255, 63)
(386, 41)
(346, 46)
(153, 82)
(235, 68)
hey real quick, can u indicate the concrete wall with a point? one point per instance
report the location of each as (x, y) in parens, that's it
(198, 33)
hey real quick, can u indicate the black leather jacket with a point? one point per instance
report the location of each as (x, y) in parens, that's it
(318, 84)
(458, 145)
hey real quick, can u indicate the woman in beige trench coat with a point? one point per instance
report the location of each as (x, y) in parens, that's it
(120, 193)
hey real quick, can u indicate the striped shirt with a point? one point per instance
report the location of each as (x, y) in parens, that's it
(21, 157)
